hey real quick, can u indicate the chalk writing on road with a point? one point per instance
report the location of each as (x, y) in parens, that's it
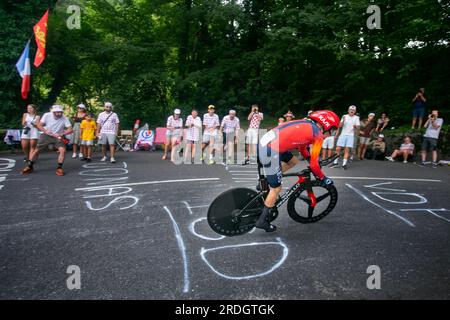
(389, 195)
(216, 265)
(6, 165)
(100, 198)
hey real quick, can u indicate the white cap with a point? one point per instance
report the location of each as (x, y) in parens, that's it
(381, 136)
(57, 108)
(232, 112)
(371, 114)
(352, 107)
(177, 111)
(81, 106)
(108, 104)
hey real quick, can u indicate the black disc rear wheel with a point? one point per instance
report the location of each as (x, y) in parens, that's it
(299, 205)
(225, 216)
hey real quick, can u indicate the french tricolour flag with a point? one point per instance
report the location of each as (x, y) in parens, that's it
(24, 69)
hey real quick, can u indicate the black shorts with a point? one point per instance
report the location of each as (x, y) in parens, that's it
(429, 144)
(271, 162)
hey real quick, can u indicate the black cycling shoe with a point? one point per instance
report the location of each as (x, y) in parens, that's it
(263, 221)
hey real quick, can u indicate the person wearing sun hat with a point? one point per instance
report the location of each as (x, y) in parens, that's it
(289, 116)
(377, 148)
(54, 126)
(173, 133)
(230, 128)
(211, 123)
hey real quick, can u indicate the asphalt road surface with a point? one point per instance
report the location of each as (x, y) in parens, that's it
(137, 230)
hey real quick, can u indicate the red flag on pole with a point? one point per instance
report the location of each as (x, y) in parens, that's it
(40, 34)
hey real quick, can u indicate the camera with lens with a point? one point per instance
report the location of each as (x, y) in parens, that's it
(26, 130)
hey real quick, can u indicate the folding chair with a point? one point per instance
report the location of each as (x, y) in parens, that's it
(125, 140)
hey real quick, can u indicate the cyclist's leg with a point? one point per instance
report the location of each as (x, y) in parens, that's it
(288, 161)
(271, 162)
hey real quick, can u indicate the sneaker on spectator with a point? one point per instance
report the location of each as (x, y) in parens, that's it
(113, 160)
(27, 170)
(390, 159)
(211, 161)
(59, 172)
(74, 155)
(80, 155)
(104, 159)
(434, 164)
(405, 161)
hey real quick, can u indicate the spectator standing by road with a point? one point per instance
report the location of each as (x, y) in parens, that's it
(174, 133)
(367, 126)
(30, 132)
(431, 136)
(54, 126)
(107, 131)
(419, 110)
(210, 136)
(76, 136)
(255, 117)
(289, 116)
(328, 144)
(88, 128)
(406, 150)
(382, 122)
(194, 123)
(346, 140)
(230, 128)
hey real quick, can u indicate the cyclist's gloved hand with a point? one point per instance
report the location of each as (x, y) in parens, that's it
(327, 181)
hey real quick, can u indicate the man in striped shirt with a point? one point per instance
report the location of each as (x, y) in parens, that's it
(230, 128)
(211, 123)
(255, 117)
(107, 130)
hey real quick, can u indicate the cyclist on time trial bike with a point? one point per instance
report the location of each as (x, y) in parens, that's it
(276, 158)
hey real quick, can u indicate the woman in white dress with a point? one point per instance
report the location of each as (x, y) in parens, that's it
(30, 132)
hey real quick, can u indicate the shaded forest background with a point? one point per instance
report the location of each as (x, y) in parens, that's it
(148, 56)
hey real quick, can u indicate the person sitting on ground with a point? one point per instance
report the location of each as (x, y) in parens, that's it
(376, 148)
(88, 128)
(406, 150)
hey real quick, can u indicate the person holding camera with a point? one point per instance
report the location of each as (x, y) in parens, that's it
(54, 126)
(30, 132)
(419, 108)
(431, 136)
(255, 117)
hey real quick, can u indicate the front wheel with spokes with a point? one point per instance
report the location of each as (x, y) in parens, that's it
(299, 204)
